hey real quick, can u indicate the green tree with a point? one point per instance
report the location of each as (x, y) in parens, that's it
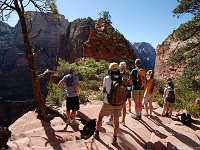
(187, 6)
(105, 15)
(19, 6)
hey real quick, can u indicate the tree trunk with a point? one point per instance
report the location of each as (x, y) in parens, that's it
(30, 59)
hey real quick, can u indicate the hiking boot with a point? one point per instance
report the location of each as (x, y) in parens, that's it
(136, 117)
(68, 122)
(113, 140)
(96, 135)
(122, 122)
(109, 122)
(74, 123)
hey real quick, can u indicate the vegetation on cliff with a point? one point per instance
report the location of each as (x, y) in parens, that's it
(187, 55)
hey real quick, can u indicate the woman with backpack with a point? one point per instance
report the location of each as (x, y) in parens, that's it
(168, 98)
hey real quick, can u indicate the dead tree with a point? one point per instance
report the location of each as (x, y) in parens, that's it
(43, 6)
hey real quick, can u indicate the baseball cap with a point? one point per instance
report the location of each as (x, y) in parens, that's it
(72, 68)
(113, 66)
(122, 65)
(138, 62)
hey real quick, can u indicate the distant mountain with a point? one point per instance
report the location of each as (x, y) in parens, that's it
(146, 53)
(15, 83)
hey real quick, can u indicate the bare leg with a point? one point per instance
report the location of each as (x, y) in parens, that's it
(150, 108)
(137, 107)
(68, 115)
(146, 107)
(124, 111)
(164, 111)
(99, 122)
(116, 125)
(170, 112)
(140, 106)
(73, 115)
(129, 103)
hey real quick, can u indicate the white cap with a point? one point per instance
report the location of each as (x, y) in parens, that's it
(122, 65)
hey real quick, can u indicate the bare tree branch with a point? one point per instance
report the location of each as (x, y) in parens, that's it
(36, 34)
(37, 53)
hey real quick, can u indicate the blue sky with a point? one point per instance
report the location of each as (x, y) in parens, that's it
(148, 21)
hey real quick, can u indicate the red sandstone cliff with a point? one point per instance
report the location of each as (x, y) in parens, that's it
(168, 49)
(96, 39)
(106, 43)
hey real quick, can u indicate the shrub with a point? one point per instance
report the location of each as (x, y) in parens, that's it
(55, 95)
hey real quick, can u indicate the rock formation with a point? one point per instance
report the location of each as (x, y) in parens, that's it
(14, 72)
(106, 43)
(96, 39)
(164, 52)
(146, 53)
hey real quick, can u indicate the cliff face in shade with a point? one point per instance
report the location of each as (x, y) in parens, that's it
(71, 43)
(14, 74)
(146, 53)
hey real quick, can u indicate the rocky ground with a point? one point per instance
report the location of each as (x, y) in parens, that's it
(156, 133)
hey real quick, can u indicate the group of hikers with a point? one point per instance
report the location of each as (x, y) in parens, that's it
(119, 86)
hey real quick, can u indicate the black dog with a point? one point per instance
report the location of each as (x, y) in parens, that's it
(89, 128)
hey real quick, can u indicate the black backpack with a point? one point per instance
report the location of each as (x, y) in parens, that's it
(70, 81)
(186, 119)
(89, 128)
(171, 96)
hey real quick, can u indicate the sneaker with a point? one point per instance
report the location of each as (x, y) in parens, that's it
(136, 117)
(114, 140)
(109, 122)
(74, 123)
(96, 135)
(122, 122)
(68, 122)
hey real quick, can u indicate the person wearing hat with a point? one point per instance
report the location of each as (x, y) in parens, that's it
(72, 90)
(148, 96)
(108, 109)
(137, 92)
(125, 78)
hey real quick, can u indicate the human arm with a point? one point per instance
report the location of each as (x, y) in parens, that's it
(77, 88)
(164, 95)
(61, 85)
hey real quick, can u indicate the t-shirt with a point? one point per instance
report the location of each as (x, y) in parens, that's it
(71, 90)
(149, 86)
(107, 85)
(125, 77)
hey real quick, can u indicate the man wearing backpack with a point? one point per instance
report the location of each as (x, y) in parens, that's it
(138, 81)
(72, 90)
(108, 109)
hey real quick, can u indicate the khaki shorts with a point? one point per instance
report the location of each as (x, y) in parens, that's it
(148, 98)
(138, 94)
(167, 104)
(108, 109)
